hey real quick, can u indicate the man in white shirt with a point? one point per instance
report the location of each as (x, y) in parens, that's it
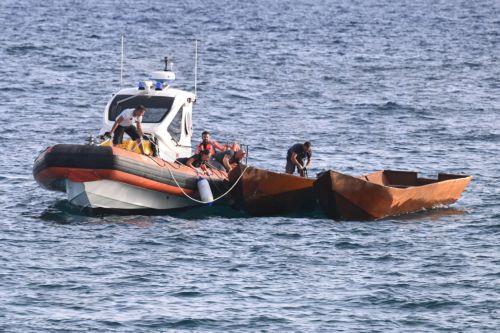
(124, 123)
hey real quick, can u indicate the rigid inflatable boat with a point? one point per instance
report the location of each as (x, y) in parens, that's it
(385, 193)
(114, 178)
(98, 175)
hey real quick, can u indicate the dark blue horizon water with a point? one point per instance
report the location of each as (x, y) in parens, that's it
(411, 85)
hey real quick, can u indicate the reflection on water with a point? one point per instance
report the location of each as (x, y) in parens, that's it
(64, 212)
(430, 214)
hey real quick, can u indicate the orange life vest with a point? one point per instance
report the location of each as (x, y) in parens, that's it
(206, 146)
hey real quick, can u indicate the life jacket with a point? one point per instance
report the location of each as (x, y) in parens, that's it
(206, 146)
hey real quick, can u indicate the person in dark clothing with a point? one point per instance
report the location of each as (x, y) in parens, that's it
(228, 158)
(199, 161)
(295, 158)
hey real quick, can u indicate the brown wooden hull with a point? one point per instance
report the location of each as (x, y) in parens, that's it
(261, 192)
(385, 193)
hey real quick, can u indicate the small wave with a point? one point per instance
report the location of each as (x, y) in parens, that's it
(191, 323)
(494, 227)
(258, 248)
(269, 320)
(472, 64)
(16, 89)
(110, 323)
(186, 294)
(483, 137)
(50, 286)
(150, 242)
(236, 268)
(385, 257)
(346, 245)
(390, 106)
(182, 259)
(287, 235)
(21, 49)
(433, 304)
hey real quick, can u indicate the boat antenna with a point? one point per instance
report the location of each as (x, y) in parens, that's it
(195, 67)
(165, 59)
(121, 67)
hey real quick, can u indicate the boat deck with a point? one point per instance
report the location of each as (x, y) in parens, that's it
(404, 179)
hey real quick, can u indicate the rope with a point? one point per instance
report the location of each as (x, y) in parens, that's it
(182, 190)
(205, 202)
(215, 170)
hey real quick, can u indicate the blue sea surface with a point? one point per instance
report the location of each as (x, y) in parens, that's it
(405, 85)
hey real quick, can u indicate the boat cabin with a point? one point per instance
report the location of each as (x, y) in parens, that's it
(169, 113)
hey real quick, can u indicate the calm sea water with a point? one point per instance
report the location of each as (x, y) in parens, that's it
(412, 85)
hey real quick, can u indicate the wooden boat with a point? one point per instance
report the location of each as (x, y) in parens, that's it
(385, 193)
(261, 192)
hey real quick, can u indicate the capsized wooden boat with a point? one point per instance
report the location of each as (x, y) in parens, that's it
(261, 192)
(385, 193)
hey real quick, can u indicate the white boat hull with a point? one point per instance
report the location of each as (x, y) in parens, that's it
(111, 194)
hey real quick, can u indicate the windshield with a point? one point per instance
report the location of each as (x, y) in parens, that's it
(158, 106)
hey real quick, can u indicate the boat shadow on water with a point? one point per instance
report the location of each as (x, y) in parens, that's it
(62, 212)
(427, 215)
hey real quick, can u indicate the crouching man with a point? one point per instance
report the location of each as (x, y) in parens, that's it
(198, 161)
(295, 158)
(228, 159)
(124, 123)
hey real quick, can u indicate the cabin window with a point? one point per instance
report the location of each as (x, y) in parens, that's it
(158, 106)
(187, 123)
(175, 127)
